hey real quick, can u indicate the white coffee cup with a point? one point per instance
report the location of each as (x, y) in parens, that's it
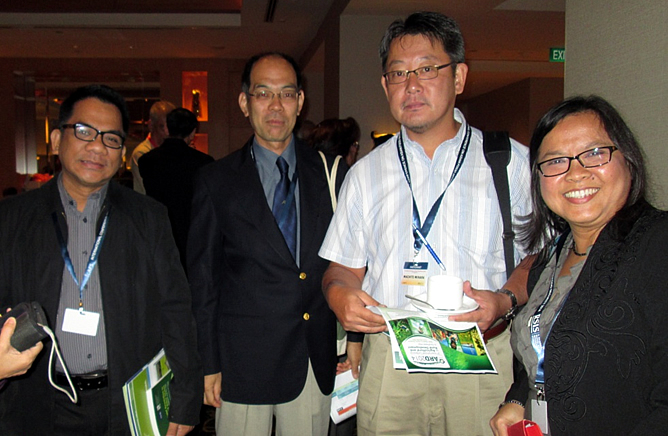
(445, 292)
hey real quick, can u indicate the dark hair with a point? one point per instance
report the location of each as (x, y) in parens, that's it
(100, 92)
(181, 122)
(432, 25)
(248, 68)
(334, 136)
(543, 225)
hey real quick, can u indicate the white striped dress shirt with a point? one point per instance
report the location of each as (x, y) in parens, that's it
(372, 225)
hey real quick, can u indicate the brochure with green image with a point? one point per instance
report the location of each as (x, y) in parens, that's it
(424, 343)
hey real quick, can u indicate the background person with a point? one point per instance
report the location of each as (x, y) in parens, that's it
(337, 137)
(168, 172)
(157, 132)
(602, 271)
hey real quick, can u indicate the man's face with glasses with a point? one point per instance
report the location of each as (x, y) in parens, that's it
(421, 84)
(90, 145)
(272, 103)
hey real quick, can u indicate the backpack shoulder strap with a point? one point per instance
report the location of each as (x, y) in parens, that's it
(496, 146)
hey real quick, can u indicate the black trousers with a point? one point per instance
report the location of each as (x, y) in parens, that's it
(89, 417)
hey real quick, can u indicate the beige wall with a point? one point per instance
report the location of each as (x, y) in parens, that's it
(619, 50)
(362, 95)
(515, 108)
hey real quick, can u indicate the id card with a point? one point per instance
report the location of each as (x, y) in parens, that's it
(415, 273)
(539, 414)
(81, 323)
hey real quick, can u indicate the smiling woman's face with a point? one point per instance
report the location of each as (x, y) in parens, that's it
(587, 198)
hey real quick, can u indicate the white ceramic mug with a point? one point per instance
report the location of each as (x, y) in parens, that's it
(445, 292)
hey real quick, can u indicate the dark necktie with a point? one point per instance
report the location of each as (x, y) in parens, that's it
(284, 208)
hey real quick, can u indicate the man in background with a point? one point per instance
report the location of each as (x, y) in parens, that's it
(168, 173)
(157, 132)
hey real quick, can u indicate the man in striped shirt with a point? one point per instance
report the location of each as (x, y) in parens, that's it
(432, 175)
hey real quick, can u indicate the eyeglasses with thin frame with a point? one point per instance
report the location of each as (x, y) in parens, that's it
(266, 95)
(84, 132)
(427, 72)
(592, 158)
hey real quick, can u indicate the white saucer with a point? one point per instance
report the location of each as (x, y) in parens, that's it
(468, 305)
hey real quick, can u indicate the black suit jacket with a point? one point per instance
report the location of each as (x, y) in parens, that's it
(168, 173)
(144, 293)
(259, 316)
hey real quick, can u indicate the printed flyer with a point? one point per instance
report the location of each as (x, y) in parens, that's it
(423, 343)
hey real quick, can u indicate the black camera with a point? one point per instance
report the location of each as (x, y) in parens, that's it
(28, 330)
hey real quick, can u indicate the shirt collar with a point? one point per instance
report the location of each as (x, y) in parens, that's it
(66, 199)
(454, 141)
(267, 158)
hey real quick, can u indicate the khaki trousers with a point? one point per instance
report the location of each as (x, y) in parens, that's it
(306, 415)
(394, 402)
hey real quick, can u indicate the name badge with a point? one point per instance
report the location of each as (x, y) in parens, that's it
(415, 273)
(81, 323)
(539, 414)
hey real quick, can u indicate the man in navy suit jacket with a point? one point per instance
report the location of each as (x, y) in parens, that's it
(266, 334)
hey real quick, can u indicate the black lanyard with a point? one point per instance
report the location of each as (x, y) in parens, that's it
(429, 221)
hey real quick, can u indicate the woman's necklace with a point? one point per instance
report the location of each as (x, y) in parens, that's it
(576, 252)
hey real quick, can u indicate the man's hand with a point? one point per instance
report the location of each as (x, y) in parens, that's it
(492, 307)
(178, 429)
(342, 288)
(13, 362)
(212, 388)
(354, 352)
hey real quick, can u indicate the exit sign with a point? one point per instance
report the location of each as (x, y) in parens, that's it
(557, 54)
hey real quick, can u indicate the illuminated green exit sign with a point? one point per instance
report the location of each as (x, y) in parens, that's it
(557, 54)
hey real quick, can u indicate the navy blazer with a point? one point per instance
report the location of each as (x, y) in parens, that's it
(144, 294)
(260, 317)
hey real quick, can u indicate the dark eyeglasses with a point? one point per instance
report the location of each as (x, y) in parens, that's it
(591, 158)
(286, 94)
(427, 72)
(87, 133)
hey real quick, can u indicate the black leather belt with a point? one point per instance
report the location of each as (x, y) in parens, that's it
(84, 382)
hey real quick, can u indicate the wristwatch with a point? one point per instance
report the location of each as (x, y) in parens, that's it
(513, 308)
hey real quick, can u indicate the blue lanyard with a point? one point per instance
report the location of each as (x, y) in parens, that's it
(534, 328)
(429, 221)
(92, 260)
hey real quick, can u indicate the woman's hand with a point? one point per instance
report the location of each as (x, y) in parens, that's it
(508, 415)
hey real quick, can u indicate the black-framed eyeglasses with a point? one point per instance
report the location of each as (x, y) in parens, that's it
(84, 132)
(266, 95)
(427, 72)
(594, 157)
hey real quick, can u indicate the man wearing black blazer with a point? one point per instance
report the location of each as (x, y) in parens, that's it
(265, 332)
(168, 172)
